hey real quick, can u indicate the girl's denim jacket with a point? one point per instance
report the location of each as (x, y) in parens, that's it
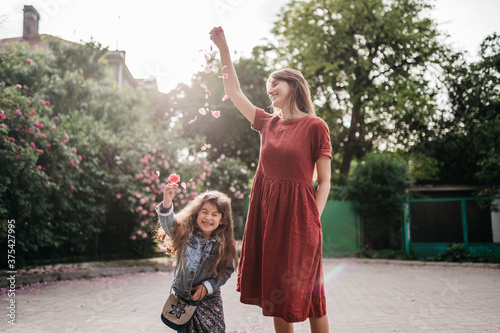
(193, 259)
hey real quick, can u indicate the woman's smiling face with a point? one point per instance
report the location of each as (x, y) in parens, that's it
(279, 92)
(208, 219)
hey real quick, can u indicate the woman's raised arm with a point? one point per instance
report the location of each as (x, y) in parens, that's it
(231, 83)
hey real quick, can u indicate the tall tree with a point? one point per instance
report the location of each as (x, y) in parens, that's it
(369, 63)
(230, 134)
(466, 137)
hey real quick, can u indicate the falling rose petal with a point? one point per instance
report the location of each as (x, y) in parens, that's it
(216, 114)
(183, 185)
(193, 120)
(210, 47)
(174, 178)
(212, 68)
(203, 86)
(206, 96)
(225, 98)
(202, 111)
(235, 243)
(224, 76)
(191, 180)
(158, 173)
(203, 148)
(206, 104)
(208, 92)
(224, 67)
(207, 58)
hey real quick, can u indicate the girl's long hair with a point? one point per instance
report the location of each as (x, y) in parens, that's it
(185, 225)
(300, 94)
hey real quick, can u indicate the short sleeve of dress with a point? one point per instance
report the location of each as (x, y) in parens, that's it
(321, 145)
(260, 116)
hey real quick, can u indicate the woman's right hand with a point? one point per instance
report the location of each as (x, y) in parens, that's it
(168, 194)
(218, 37)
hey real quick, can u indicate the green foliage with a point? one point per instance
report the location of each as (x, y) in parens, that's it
(231, 134)
(377, 187)
(368, 63)
(79, 158)
(466, 138)
(456, 253)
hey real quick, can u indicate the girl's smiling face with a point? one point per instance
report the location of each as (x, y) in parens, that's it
(208, 219)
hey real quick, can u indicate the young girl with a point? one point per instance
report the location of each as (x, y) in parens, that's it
(281, 260)
(201, 237)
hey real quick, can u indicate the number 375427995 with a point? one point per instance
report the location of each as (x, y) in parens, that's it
(11, 244)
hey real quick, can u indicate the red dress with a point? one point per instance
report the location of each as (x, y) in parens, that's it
(281, 261)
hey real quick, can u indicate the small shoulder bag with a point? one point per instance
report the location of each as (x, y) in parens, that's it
(177, 313)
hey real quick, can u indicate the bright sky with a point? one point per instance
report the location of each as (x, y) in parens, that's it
(165, 38)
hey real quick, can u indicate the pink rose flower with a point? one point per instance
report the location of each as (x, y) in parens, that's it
(174, 178)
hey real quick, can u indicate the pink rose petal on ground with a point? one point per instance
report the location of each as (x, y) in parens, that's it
(216, 114)
(225, 98)
(203, 86)
(183, 185)
(224, 76)
(193, 120)
(206, 96)
(208, 92)
(206, 104)
(202, 111)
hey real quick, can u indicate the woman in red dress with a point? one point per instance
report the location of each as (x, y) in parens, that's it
(281, 260)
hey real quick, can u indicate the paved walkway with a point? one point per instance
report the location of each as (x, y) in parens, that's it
(362, 296)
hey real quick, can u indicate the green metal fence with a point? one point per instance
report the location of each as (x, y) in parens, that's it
(426, 249)
(342, 229)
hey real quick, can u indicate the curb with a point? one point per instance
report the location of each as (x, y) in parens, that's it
(397, 262)
(87, 270)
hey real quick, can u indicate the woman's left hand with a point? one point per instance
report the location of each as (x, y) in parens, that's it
(198, 292)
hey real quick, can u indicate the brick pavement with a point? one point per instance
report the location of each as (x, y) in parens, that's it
(362, 296)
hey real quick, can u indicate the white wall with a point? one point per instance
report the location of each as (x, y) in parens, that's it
(495, 223)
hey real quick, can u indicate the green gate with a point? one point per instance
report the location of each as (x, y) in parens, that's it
(342, 229)
(423, 249)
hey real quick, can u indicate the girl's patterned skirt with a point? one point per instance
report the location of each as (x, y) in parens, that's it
(209, 317)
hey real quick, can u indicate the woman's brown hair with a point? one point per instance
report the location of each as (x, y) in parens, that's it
(300, 95)
(185, 225)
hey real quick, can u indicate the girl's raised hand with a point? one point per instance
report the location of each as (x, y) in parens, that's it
(218, 37)
(168, 194)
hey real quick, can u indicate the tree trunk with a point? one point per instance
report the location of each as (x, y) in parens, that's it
(350, 145)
